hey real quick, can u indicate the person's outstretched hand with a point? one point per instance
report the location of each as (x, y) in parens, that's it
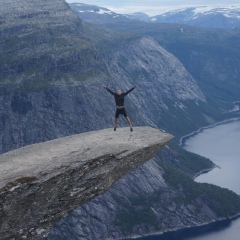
(104, 86)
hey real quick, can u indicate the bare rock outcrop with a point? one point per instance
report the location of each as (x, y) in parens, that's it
(41, 183)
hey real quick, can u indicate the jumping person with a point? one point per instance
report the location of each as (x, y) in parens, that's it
(119, 99)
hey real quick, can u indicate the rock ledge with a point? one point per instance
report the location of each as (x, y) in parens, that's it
(41, 183)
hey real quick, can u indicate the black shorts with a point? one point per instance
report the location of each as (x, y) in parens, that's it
(120, 111)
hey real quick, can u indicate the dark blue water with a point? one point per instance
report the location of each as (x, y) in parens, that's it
(220, 143)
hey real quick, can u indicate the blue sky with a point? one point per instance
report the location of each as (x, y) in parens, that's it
(128, 6)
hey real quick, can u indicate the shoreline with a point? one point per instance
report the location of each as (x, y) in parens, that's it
(236, 103)
(181, 142)
(205, 171)
(199, 228)
(183, 138)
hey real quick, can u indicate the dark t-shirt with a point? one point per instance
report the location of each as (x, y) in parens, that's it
(119, 99)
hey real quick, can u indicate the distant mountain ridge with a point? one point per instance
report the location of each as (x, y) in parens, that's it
(203, 16)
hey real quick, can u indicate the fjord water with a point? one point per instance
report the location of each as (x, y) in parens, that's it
(220, 143)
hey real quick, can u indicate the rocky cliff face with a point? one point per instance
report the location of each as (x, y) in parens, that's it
(42, 43)
(52, 69)
(210, 55)
(139, 204)
(33, 116)
(54, 177)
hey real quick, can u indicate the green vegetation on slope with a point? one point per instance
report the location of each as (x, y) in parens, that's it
(182, 193)
(223, 202)
(41, 51)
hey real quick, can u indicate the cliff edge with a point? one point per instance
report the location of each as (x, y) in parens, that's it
(41, 183)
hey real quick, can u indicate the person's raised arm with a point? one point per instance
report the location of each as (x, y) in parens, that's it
(108, 89)
(127, 92)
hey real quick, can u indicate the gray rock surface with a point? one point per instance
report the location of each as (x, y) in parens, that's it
(42, 183)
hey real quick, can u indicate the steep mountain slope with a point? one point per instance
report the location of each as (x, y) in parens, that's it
(161, 79)
(40, 102)
(43, 43)
(50, 103)
(210, 55)
(138, 203)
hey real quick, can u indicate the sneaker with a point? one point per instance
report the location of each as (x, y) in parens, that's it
(114, 128)
(131, 129)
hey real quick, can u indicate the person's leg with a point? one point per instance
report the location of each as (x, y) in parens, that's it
(115, 124)
(128, 120)
(116, 119)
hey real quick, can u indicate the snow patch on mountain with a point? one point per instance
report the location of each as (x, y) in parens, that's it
(98, 11)
(101, 11)
(231, 11)
(202, 16)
